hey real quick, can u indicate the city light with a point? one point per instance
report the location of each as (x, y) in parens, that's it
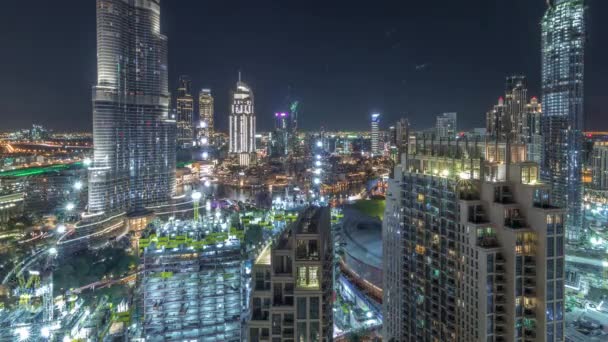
(70, 206)
(23, 333)
(196, 196)
(319, 143)
(53, 251)
(317, 181)
(78, 185)
(87, 162)
(465, 175)
(317, 171)
(207, 183)
(205, 155)
(45, 332)
(318, 156)
(61, 229)
(317, 163)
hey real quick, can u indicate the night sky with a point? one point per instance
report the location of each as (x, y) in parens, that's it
(342, 59)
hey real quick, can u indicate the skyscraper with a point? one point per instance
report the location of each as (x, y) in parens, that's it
(563, 47)
(473, 249)
(242, 124)
(447, 125)
(206, 112)
(291, 299)
(185, 112)
(516, 99)
(134, 156)
(498, 123)
(532, 130)
(375, 134)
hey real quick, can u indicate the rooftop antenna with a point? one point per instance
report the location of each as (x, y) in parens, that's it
(239, 76)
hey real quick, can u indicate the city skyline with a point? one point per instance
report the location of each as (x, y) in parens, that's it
(390, 43)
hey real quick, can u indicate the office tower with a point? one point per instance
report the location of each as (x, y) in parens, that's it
(291, 299)
(446, 125)
(185, 112)
(563, 43)
(134, 138)
(498, 123)
(531, 132)
(399, 139)
(600, 166)
(281, 135)
(191, 284)
(242, 124)
(206, 112)
(473, 249)
(375, 134)
(516, 99)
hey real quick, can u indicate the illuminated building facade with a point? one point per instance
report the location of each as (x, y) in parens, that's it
(447, 125)
(280, 142)
(563, 44)
(532, 130)
(206, 112)
(134, 138)
(516, 99)
(242, 124)
(291, 299)
(185, 112)
(473, 250)
(376, 134)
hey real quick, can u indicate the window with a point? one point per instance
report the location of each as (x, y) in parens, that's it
(302, 308)
(559, 311)
(559, 289)
(550, 291)
(315, 333)
(549, 313)
(550, 269)
(490, 263)
(559, 268)
(314, 308)
(550, 335)
(550, 247)
(302, 332)
(308, 277)
(559, 241)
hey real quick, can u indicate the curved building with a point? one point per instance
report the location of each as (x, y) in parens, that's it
(134, 137)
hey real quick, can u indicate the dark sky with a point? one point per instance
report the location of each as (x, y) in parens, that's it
(343, 59)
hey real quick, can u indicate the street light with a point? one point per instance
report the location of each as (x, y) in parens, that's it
(61, 229)
(53, 251)
(207, 183)
(196, 197)
(317, 181)
(70, 206)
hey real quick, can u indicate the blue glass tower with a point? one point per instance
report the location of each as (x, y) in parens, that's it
(563, 42)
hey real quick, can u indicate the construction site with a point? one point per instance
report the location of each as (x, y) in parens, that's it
(191, 282)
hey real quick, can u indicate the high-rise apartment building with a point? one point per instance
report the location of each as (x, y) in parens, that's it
(185, 112)
(242, 124)
(191, 284)
(134, 156)
(516, 99)
(473, 249)
(375, 134)
(291, 299)
(563, 48)
(498, 123)
(532, 132)
(206, 113)
(447, 125)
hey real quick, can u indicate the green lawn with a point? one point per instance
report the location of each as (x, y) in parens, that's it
(373, 208)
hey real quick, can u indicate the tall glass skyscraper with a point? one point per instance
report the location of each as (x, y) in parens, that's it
(375, 134)
(206, 126)
(134, 137)
(242, 123)
(185, 112)
(563, 43)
